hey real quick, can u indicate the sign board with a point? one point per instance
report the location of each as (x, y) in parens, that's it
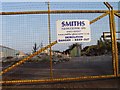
(73, 31)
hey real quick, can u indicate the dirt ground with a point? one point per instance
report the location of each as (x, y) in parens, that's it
(77, 66)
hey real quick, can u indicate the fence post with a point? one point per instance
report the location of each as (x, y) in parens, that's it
(113, 39)
(50, 50)
(115, 43)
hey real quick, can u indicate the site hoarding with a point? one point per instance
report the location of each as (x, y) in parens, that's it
(73, 31)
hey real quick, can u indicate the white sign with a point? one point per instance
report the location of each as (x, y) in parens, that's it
(73, 31)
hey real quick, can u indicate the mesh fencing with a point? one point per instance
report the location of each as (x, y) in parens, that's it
(25, 34)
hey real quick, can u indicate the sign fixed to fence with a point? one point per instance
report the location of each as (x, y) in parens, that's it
(73, 31)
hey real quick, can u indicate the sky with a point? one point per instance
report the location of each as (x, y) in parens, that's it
(22, 31)
(61, 1)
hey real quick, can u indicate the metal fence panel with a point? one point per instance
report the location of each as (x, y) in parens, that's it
(27, 33)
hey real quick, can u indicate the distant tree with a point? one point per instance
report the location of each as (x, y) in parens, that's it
(35, 48)
(17, 54)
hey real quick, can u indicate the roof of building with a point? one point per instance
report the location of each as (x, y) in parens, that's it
(1, 46)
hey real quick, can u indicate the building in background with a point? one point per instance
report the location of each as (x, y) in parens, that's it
(6, 52)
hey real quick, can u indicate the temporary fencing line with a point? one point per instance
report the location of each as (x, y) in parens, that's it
(48, 46)
(36, 53)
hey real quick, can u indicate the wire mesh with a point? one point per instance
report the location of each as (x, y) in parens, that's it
(25, 34)
(91, 63)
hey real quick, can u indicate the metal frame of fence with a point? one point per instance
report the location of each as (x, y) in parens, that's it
(109, 12)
